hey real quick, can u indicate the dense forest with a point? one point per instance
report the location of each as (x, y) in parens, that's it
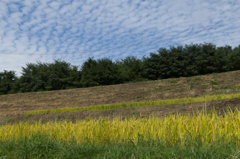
(180, 61)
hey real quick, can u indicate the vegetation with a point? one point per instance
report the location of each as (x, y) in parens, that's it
(188, 135)
(139, 104)
(201, 135)
(42, 146)
(191, 60)
(169, 128)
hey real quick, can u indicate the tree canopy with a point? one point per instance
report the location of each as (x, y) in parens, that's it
(178, 61)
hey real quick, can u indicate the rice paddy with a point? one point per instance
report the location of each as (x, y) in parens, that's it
(171, 129)
(194, 135)
(139, 104)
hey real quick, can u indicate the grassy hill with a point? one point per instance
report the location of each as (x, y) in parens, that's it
(13, 106)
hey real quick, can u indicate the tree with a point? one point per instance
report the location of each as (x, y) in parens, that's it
(107, 72)
(8, 82)
(60, 77)
(29, 81)
(151, 67)
(100, 72)
(157, 65)
(205, 59)
(191, 52)
(234, 59)
(130, 69)
(221, 58)
(49, 76)
(76, 74)
(176, 63)
(191, 60)
(89, 73)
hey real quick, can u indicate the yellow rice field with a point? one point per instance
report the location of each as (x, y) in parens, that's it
(169, 129)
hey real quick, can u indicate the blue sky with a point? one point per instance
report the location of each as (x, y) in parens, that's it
(72, 30)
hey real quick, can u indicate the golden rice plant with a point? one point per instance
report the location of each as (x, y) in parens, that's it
(169, 129)
(139, 104)
(236, 86)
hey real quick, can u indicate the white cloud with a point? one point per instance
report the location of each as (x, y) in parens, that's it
(82, 29)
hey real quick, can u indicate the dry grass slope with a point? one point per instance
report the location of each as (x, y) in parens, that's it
(13, 106)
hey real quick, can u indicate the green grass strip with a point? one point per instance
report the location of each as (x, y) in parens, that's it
(43, 146)
(140, 104)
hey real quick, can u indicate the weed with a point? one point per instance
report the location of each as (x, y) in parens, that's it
(204, 83)
(173, 81)
(198, 79)
(236, 86)
(191, 85)
(213, 82)
(167, 89)
(223, 87)
(188, 80)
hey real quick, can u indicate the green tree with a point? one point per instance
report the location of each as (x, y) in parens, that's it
(234, 59)
(130, 69)
(176, 62)
(194, 59)
(8, 82)
(107, 72)
(60, 76)
(89, 73)
(221, 58)
(76, 74)
(205, 59)
(157, 65)
(28, 81)
(151, 67)
(99, 72)
(49, 76)
(191, 52)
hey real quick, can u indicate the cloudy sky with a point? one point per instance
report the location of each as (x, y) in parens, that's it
(73, 30)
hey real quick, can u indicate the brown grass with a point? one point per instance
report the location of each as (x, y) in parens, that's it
(12, 106)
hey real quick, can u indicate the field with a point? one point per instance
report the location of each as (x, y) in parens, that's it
(129, 122)
(13, 106)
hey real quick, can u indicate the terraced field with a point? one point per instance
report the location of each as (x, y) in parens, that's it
(12, 107)
(153, 119)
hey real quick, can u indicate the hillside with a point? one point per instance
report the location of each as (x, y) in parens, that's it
(12, 106)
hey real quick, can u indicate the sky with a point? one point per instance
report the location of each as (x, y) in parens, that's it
(74, 30)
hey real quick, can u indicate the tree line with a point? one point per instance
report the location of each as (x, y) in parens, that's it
(180, 61)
